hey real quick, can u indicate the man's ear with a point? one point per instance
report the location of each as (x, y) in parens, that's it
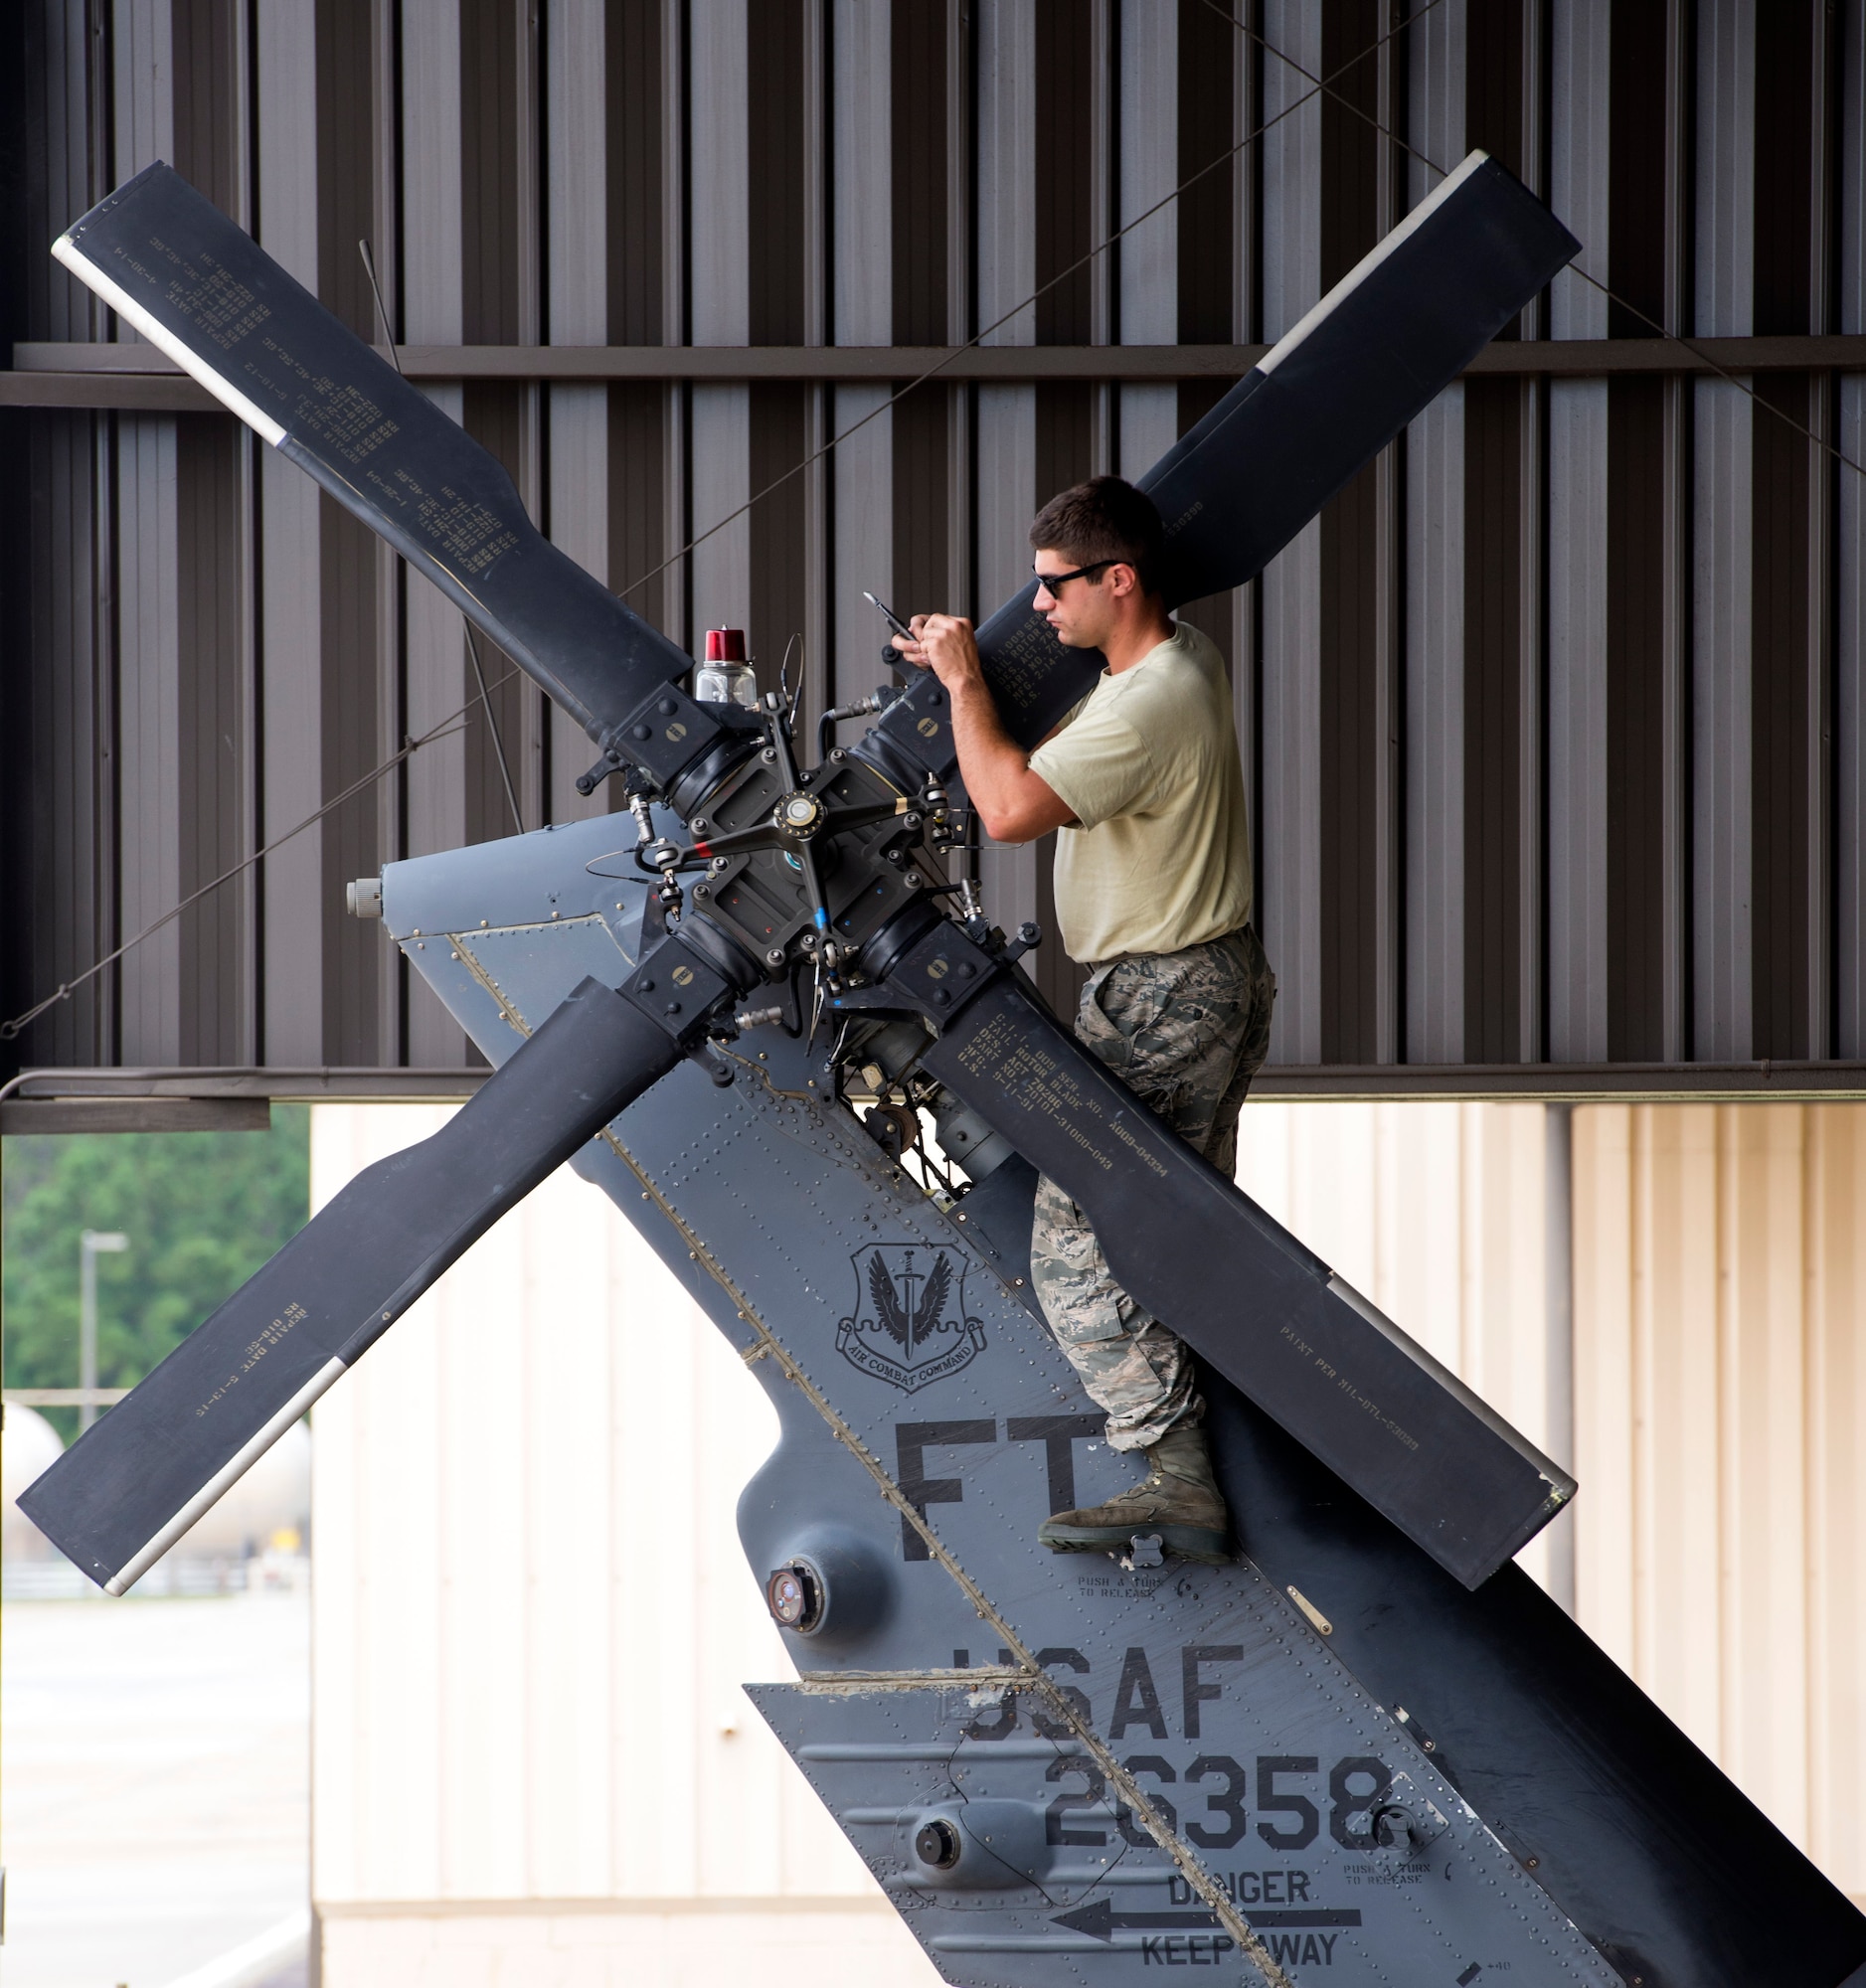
(1123, 578)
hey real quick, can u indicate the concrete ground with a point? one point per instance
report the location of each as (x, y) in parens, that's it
(156, 1775)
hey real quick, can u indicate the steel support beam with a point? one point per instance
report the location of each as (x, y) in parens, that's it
(135, 378)
(78, 1090)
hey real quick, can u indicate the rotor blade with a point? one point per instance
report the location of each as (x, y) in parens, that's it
(128, 1488)
(1246, 1296)
(1235, 489)
(193, 284)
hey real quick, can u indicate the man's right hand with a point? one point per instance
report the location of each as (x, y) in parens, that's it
(1013, 804)
(944, 644)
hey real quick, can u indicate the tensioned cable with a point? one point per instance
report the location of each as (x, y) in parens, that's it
(1324, 85)
(9, 1030)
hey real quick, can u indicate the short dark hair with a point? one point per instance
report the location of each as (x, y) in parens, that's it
(1103, 520)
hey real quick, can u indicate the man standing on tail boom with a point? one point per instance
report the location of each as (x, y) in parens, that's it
(1153, 897)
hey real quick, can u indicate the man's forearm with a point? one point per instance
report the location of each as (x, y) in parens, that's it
(1014, 805)
(991, 760)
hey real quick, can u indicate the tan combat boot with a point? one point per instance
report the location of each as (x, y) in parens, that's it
(1178, 1499)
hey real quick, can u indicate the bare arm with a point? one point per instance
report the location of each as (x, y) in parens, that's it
(1013, 804)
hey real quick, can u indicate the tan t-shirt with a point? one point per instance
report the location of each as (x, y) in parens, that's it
(1147, 763)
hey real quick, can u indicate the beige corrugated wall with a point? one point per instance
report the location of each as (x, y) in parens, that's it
(1720, 1344)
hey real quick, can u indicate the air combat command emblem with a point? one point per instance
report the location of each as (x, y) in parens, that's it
(910, 1325)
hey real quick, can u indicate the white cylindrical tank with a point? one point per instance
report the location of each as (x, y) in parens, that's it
(270, 1506)
(28, 1447)
(273, 1497)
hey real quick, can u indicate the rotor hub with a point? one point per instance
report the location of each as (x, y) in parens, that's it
(798, 816)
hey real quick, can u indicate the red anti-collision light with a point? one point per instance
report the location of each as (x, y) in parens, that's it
(725, 645)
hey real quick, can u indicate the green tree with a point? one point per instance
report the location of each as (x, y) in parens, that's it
(202, 1211)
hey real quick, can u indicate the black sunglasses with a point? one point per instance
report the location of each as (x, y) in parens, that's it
(1053, 583)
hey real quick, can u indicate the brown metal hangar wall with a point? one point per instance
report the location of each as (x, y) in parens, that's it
(1552, 721)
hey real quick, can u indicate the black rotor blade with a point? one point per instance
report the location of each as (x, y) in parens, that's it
(1235, 489)
(120, 1496)
(193, 284)
(1246, 1296)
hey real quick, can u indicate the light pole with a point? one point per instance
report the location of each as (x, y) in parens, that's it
(93, 1243)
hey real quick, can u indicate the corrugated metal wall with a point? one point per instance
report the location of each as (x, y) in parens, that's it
(1552, 721)
(1720, 1389)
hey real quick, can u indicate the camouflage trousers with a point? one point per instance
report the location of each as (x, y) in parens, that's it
(1185, 1032)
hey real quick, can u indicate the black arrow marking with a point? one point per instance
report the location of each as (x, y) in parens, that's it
(1099, 1921)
